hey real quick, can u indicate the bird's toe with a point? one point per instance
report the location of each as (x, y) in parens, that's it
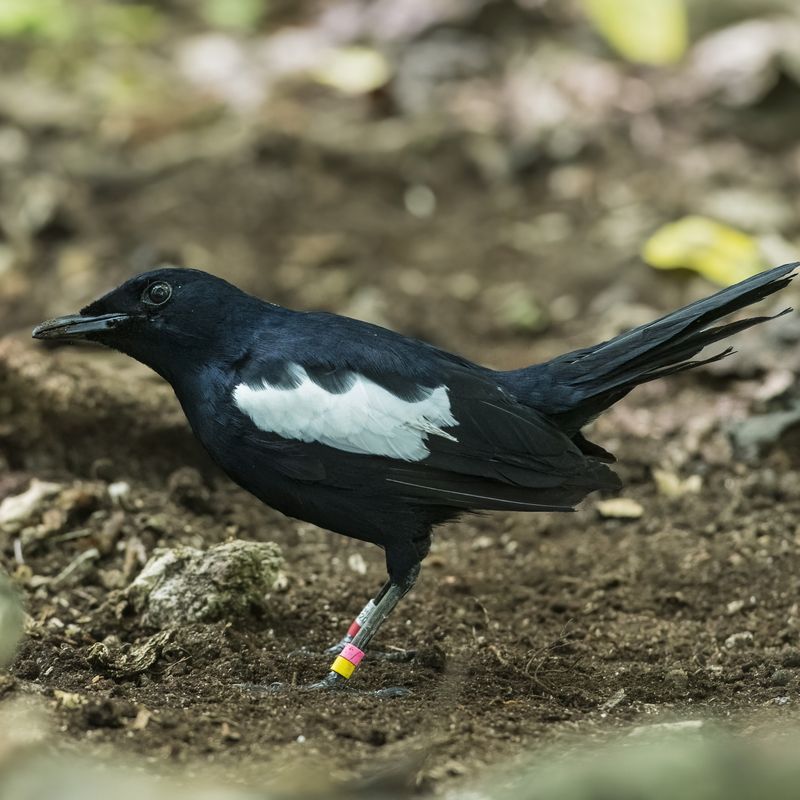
(395, 654)
(389, 692)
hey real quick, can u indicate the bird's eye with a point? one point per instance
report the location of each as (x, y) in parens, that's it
(156, 294)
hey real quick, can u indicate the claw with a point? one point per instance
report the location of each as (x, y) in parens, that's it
(378, 655)
(331, 682)
(335, 649)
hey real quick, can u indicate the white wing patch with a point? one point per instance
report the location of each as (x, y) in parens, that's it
(365, 419)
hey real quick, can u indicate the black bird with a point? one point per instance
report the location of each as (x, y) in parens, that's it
(381, 437)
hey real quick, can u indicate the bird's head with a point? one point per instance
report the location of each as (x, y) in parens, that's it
(157, 317)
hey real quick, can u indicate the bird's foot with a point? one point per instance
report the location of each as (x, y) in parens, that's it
(393, 654)
(330, 683)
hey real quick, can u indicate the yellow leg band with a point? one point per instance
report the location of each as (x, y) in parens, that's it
(342, 666)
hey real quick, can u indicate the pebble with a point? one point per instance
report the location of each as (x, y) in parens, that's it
(735, 606)
(671, 485)
(780, 677)
(678, 679)
(739, 640)
(182, 585)
(792, 660)
(118, 490)
(357, 563)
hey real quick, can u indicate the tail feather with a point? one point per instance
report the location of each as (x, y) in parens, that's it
(576, 387)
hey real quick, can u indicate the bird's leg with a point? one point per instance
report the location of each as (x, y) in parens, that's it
(345, 664)
(358, 622)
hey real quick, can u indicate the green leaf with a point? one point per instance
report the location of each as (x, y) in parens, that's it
(244, 15)
(718, 252)
(644, 31)
(51, 19)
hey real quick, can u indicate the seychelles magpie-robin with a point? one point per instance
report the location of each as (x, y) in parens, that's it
(381, 437)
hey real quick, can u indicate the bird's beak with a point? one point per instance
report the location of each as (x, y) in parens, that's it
(76, 326)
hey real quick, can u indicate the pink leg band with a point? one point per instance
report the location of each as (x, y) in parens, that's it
(352, 654)
(354, 628)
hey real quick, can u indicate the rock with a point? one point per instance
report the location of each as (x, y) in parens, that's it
(738, 641)
(620, 508)
(780, 677)
(17, 510)
(183, 585)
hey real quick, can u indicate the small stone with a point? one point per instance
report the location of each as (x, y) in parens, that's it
(734, 607)
(158, 523)
(678, 679)
(111, 579)
(118, 490)
(671, 485)
(230, 734)
(143, 717)
(356, 563)
(420, 201)
(780, 677)
(792, 660)
(69, 700)
(620, 508)
(781, 701)
(737, 641)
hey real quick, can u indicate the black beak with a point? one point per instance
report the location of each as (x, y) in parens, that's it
(76, 326)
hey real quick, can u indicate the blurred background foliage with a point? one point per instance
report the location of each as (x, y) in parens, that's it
(604, 119)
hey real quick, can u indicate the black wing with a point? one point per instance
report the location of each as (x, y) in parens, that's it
(496, 454)
(506, 456)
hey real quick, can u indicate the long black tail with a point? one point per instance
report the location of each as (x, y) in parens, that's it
(576, 387)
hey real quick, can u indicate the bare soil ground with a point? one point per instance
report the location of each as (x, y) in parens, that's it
(528, 628)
